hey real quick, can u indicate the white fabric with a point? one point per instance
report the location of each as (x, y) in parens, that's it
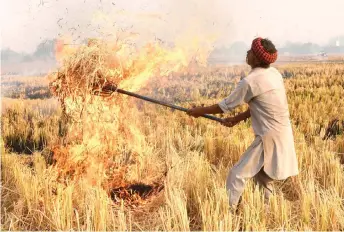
(244, 169)
(263, 90)
(248, 166)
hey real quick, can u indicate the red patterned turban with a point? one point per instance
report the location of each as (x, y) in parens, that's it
(260, 52)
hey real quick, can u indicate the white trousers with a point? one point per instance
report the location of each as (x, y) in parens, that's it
(250, 165)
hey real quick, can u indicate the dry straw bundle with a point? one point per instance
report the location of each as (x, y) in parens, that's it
(87, 118)
(99, 129)
(84, 68)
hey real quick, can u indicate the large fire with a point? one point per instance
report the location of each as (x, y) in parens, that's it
(101, 130)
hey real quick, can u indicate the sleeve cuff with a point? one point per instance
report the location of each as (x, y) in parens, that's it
(223, 107)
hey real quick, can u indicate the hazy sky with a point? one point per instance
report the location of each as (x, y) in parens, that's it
(25, 23)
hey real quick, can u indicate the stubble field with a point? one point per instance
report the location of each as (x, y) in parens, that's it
(144, 167)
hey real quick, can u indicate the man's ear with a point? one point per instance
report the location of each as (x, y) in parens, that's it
(256, 61)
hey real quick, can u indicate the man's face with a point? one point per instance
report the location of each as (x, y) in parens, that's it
(251, 58)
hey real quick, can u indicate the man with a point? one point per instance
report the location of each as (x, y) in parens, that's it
(271, 156)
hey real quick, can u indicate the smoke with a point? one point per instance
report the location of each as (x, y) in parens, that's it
(194, 26)
(187, 23)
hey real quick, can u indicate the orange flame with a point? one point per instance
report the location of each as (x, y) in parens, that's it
(107, 126)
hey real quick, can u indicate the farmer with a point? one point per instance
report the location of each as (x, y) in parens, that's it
(271, 156)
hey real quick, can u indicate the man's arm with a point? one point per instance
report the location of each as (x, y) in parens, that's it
(241, 94)
(243, 116)
(232, 121)
(198, 111)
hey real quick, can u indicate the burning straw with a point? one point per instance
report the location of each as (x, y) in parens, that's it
(105, 125)
(86, 67)
(98, 63)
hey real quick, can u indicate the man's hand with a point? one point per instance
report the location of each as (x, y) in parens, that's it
(231, 121)
(196, 111)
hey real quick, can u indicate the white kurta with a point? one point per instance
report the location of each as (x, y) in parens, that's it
(263, 90)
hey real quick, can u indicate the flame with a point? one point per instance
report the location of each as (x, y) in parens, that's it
(103, 129)
(137, 66)
(153, 60)
(64, 49)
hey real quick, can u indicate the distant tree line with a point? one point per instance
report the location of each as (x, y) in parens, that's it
(44, 51)
(237, 51)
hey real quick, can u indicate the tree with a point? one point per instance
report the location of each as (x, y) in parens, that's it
(45, 50)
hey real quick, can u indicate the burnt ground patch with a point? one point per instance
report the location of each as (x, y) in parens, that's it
(134, 194)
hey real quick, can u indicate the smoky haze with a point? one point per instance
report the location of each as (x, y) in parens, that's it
(34, 21)
(30, 27)
(27, 22)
